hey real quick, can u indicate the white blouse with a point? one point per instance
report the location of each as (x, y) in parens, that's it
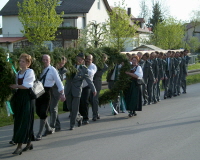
(52, 77)
(29, 78)
(139, 72)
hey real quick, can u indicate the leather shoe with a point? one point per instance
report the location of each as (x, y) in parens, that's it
(57, 129)
(48, 132)
(85, 122)
(144, 104)
(184, 92)
(94, 119)
(17, 151)
(98, 117)
(71, 128)
(38, 138)
(165, 97)
(29, 147)
(149, 103)
(12, 142)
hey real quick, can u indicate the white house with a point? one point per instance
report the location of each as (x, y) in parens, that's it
(77, 13)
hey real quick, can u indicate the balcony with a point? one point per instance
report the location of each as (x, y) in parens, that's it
(67, 33)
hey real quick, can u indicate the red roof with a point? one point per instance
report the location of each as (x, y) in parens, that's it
(11, 39)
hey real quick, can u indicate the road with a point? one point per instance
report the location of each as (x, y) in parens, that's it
(169, 130)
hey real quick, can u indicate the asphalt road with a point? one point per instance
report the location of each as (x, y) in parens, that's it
(169, 130)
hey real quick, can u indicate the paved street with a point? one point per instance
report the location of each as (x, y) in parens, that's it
(169, 130)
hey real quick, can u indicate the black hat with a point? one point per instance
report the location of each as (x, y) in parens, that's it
(81, 55)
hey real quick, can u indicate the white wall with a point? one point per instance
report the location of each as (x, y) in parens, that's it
(97, 15)
(11, 26)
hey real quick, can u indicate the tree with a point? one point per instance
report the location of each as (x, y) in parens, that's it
(122, 29)
(95, 35)
(168, 34)
(194, 44)
(39, 19)
(144, 10)
(157, 15)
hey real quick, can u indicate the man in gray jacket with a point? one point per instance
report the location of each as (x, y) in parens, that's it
(149, 79)
(74, 90)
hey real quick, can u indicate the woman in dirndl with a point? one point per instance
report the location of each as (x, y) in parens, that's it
(22, 105)
(133, 96)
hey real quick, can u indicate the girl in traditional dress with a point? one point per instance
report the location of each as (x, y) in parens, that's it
(22, 105)
(133, 96)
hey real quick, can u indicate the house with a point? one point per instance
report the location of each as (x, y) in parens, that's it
(192, 29)
(143, 33)
(77, 14)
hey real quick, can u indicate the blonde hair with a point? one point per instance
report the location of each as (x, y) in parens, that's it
(27, 58)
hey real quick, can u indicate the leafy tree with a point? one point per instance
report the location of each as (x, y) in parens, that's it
(94, 35)
(168, 34)
(194, 44)
(39, 20)
(122, 29)
(157, 15)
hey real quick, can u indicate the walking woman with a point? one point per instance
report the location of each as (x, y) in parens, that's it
(22, 105)
(133, 96)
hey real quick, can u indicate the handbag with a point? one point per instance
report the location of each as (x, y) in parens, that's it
(38, 88)
(140, 81)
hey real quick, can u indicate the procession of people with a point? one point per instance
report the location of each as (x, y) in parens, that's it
(148, 74)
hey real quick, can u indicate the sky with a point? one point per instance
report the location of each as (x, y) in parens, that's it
(179, 9)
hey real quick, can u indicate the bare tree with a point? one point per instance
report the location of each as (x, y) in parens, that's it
(144, 10)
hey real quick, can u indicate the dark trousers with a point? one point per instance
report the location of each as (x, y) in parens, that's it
(150, 91)
(94, 100)
(84, 103)
(168, 85)
(183, 83)
(145, 93)
(158, 90)
(42, 104)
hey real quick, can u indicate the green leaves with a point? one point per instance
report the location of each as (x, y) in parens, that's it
(39, 19)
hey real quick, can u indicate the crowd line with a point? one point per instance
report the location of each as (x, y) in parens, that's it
(148, 73)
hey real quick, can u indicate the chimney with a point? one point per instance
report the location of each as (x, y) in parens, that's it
(129, 11)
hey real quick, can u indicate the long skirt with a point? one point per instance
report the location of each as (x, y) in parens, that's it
(23, 108)
(133, 97)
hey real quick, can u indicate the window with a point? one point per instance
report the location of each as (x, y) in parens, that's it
(59, 3)
(98, 4)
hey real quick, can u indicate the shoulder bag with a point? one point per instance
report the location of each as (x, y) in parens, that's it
(38, 87)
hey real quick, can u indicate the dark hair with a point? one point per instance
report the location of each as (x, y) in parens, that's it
(147, 55)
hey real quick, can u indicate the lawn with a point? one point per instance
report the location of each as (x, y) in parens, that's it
(194, 66)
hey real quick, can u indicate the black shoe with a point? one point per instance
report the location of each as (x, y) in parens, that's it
(149, 103)
(38, 138)
(48, 132)
(130, 115)
(175, 95)
(71, 128)
(57, 129)
(85, 122)
(154, 102)
(29, 147)
(12, 142)
(17, 151)
(98, 117)
(134, 114)
(94, 119)
(144, 104)
(184, 92)
(179, 94)
(165, 97)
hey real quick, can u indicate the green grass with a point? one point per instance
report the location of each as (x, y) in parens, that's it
(194, 66)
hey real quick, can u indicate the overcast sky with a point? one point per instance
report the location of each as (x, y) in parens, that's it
(179, 9)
